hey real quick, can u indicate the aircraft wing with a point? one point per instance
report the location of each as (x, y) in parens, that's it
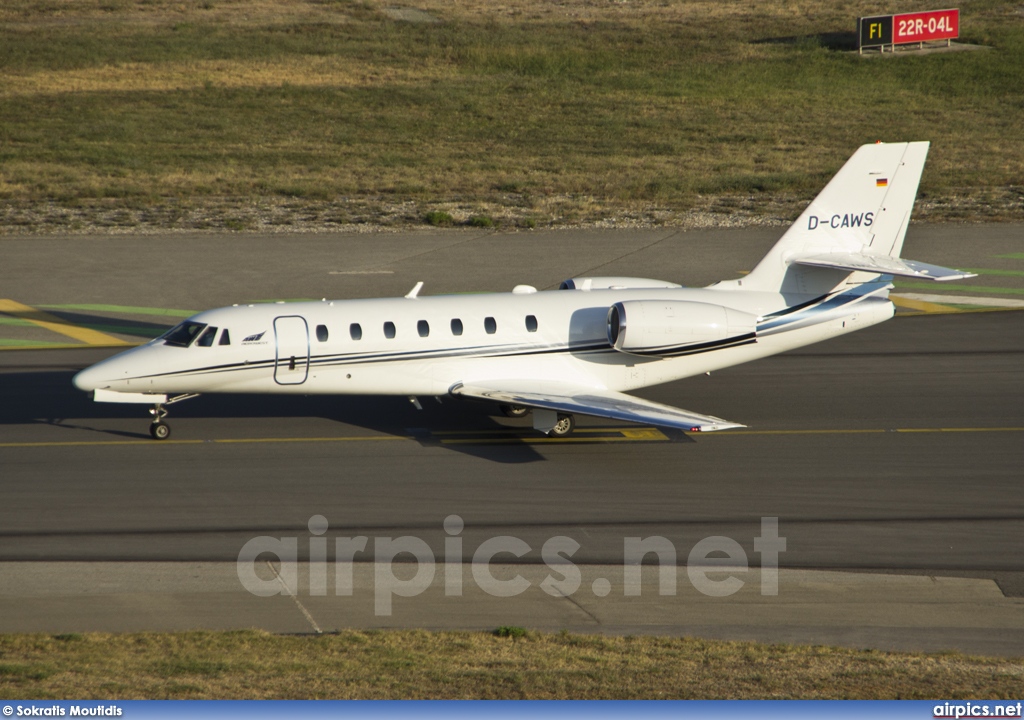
(883, 264)
(590, 401)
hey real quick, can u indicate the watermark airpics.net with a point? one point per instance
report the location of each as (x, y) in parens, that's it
(958, 710)
(716, 555)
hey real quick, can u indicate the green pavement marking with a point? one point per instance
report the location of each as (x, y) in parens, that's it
(953, 286)
(120, 344)
(126, 330)
(986, 271)
(1012, 256)
(165, 312)
(138, 332)
(17, 322)
(55, 324)
(34, 343)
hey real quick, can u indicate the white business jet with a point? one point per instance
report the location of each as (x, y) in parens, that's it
(560, 352)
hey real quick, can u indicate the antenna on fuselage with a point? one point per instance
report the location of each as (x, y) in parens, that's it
(414, 293)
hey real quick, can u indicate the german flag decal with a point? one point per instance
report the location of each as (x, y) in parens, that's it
(882, 182)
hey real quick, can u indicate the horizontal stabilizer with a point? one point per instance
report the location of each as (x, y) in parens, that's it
(590, 401)
(882, 264)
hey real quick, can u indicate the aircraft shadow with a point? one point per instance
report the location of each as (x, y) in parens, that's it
(464, 426)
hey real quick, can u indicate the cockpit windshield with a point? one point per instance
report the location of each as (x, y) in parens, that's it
(184, 334)
(207, 338)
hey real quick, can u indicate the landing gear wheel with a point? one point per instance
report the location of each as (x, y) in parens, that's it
(514, 411)
(158, 428)
(564, 426)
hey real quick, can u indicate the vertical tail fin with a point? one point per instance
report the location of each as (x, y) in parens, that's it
(864, 210)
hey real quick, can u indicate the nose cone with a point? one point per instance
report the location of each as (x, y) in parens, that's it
(104, 373)
(117, 372)
(89, 379)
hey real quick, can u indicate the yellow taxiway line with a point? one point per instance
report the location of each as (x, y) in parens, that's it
(637, 434)
(865, 431)
(922, 306)
(216, 441)
(55, 324)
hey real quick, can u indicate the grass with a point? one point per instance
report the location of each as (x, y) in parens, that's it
(510, 631)
(576, 110)
(500, 665)
(439, 218)
(480, 221)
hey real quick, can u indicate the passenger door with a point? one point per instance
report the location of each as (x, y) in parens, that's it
(292, 336)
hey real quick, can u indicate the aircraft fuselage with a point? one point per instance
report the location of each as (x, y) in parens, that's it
(425, 345)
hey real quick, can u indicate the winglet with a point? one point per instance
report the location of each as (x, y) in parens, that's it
(414, 293)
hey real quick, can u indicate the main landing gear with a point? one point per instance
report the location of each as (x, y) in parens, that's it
(158, 429)
(557, 425)
(564, 427)
(514, 411)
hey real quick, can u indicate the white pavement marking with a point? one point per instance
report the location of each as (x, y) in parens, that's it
(962, 300)
(362, 272)
(292, 595)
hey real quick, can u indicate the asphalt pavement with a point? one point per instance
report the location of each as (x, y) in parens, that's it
(892, 457)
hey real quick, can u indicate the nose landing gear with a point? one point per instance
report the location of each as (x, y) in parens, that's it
(158, 429)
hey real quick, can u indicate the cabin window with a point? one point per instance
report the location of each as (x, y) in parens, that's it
(184, 334)
(423, 328)
(456, 326)
(225, 337)
(389, 330)
(356, 331)
(207, 338)
(531, 323)
(490, 325)
(321, 333)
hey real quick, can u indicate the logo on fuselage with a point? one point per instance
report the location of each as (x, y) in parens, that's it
(254, 338)
(846, 220)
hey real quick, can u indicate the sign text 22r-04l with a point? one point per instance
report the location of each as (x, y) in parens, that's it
(882, 30)
(925, 26)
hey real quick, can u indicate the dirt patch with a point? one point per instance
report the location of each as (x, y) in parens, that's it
(407, 14)
(265, 215)
(933, 48)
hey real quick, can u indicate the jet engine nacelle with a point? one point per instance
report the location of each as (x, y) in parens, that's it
(615, 283)
(666, 328)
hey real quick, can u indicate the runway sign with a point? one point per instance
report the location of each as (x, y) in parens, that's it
(905, 28)
(875, 31)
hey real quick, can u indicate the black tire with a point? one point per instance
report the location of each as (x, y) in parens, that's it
(564, 427)
(514, 411)
(160, 431)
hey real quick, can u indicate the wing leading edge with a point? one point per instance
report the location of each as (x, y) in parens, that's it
(591, 401)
